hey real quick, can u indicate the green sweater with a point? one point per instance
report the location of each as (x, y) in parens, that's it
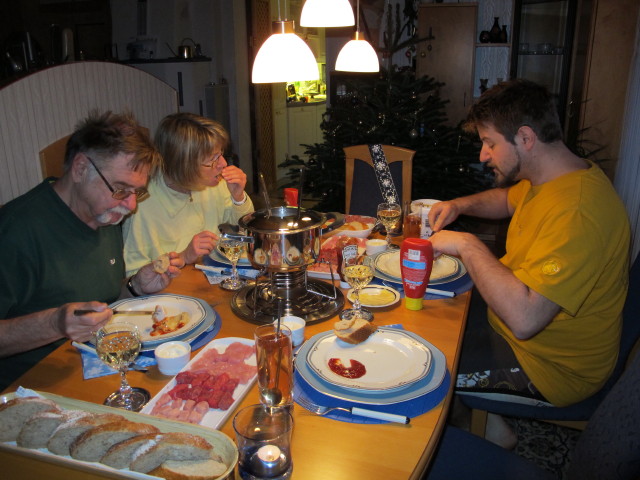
(49, 257)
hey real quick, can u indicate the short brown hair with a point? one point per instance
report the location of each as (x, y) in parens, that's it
(185, 141)
(107, 135)
(513, 104)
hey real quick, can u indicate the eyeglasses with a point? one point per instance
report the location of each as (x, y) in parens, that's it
(118, 193)
(214, 162)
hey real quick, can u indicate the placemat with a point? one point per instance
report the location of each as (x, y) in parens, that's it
(410, 408)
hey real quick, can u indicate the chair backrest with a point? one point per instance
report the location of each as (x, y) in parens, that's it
(362, 193)
(52, 158)
(610, 445)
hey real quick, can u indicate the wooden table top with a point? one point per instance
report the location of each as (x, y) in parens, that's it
(321, 447)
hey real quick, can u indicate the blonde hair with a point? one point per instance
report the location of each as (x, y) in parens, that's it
(186, 141)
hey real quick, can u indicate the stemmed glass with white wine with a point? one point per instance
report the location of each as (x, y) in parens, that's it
(118, 345)
(389, 215)
(358, 272)
(232, 249)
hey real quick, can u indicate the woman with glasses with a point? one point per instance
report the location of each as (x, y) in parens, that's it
(193, 192)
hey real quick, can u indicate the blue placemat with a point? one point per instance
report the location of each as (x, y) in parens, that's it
(410, 408)
(461, 285)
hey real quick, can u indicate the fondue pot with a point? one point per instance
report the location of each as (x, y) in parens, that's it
(286, 239)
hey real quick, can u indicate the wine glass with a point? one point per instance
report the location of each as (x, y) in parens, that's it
(232, 249)
(118, 345)
(389, 214)
(358, 272)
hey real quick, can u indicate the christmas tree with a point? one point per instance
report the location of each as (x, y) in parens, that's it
(394, 108)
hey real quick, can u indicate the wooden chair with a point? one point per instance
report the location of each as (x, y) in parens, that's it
(361, 184)
(52, 158)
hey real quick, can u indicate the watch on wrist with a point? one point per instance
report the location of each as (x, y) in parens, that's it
(132, 290)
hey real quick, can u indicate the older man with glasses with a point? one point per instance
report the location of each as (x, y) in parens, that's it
(61, 246)
(193, 192)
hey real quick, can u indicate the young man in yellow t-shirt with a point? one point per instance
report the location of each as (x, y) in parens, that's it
(555, 299)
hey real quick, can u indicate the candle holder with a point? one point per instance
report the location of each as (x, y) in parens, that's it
(263, 436)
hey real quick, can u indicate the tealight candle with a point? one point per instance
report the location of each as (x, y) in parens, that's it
(269, 453)
(268, 461)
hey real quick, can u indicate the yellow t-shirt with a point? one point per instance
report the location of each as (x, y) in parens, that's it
(568, 240)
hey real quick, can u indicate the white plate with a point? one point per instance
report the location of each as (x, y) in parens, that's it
(428, 384)
(392, 360)
(424, 202)
(218, 256)
(214, 417)
(376, 296)
(172, 305)
(443, 267)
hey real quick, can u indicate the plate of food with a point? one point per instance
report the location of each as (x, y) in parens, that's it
(354, 226)
(389, 359)
(445, 268)
(172, 316)
(376, 296)
(208, 389)
(328, 258)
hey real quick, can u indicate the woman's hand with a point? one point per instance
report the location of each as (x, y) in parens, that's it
(201, 244)
(236, 181)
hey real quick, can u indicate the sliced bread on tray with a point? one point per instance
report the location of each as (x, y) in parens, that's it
(15, 412)
(190, 470)
(66, 433)
(171, 446)
(92, 445)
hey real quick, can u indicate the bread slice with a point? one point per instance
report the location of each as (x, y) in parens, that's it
(94, 443)
(15, 412)
(353, 331)
(162, 263)
(66, 433)
(121, 454)
(190, 470)
(39, 427)
(171, 446)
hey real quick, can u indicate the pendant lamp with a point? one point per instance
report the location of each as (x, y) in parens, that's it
(284, 57)
(327, 13)
(357, 55)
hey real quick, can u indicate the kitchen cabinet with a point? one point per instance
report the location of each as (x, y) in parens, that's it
(188, 77)
(304, 127)
(543, 40)
(448, 53)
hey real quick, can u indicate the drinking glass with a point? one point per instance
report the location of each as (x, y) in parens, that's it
(118, 345)
(232, 249)
(358, 272)
(274, 357)
(389, 214)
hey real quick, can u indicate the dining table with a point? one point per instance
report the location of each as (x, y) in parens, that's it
(321, 447)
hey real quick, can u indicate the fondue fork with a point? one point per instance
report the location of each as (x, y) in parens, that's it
(363, 412)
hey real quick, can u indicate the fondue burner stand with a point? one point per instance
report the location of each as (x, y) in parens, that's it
(315, 301)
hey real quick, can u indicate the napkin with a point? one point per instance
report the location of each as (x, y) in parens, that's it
(215, 275)
(92, 366)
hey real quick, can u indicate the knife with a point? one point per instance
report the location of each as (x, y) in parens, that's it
(117, 312)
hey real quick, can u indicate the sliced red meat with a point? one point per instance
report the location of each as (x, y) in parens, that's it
(179, 390)
(214, 398)
(226, 400)
(184, 377)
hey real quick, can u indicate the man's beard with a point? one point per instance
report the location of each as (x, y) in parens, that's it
(509, 178)
(107, 217)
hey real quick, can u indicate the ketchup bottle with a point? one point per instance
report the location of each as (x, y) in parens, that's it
(346, 247)
(416, 262)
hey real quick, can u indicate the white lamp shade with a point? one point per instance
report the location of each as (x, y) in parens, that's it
(327, 13)
(284, 57)
(357, 56)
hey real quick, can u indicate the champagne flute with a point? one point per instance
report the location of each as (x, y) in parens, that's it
(358, 272)
(232, 249)
(118, 345)
(389, 214)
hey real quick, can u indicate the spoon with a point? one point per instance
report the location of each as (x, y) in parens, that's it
(274, 395)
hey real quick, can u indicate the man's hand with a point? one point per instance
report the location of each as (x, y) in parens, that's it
(80, 327)
(201, 244)
(442, 214)
(236, 181)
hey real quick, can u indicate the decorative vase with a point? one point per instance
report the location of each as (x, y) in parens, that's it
(485, 36)
(503, 34)
(494, 33)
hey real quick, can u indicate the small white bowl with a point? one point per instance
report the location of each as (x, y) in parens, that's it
(424, 202)
(296, 325)
(172, 357)
(376, 245)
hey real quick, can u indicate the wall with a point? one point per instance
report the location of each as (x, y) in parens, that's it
(219, 26)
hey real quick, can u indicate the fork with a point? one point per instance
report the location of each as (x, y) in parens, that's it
(363, 412)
